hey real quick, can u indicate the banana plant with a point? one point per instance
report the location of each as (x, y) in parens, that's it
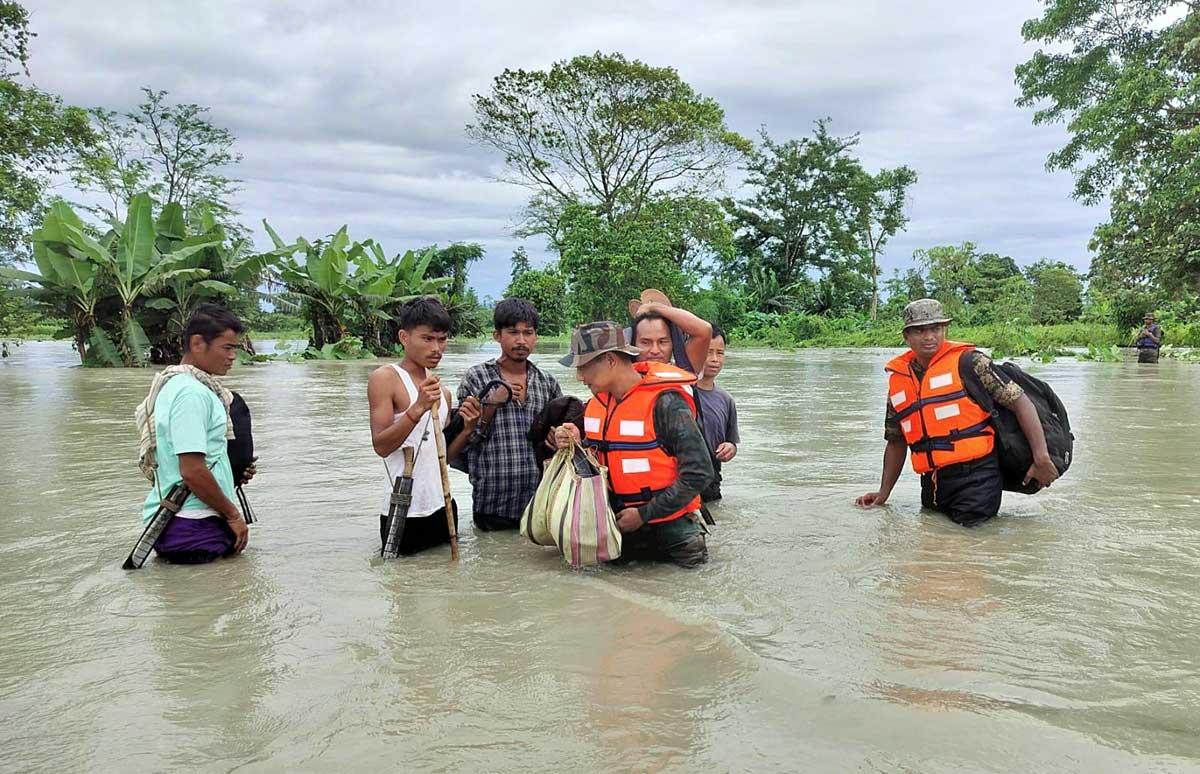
(136, 267)
(66, 277)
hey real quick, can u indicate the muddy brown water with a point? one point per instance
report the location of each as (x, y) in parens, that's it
(1063, 636)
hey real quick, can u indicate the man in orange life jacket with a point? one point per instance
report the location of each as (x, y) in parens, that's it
(642, 424)
(937, 392)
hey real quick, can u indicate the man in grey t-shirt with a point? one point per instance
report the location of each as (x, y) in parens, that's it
(719, 411)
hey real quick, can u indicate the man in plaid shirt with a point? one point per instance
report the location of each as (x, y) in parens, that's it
(504, 474)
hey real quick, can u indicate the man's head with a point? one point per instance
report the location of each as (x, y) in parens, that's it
(600, 356)
(424, 331)
(1149, 318)
(925, 327)
(210, 339)
(652, 335)
(716, 354)
(516, 322)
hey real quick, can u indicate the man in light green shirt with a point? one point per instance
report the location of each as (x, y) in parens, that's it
(192, 429)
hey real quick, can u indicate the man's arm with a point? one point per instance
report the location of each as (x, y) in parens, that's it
(387, 433)
(1043, 469)
(679, 436)
(698, 331)
(894, 455)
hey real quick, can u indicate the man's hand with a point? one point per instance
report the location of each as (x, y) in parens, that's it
(249, 473)
(725, 452)
(470, 411)
(428, 394)
(241, 532)
(563, 436)
(629, 520)
(870, 500)
(518, 391)
(1043, 471)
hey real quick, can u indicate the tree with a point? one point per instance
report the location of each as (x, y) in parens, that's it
(877, 203)
(37, 131)
(1125, 77)
(603, 131)
(520, 262)
(1057, 292)
(170, 150)
(606, 264)
(547, 291)
(800, 216)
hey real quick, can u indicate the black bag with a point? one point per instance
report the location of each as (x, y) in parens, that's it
(241, 448)
(1011, 445)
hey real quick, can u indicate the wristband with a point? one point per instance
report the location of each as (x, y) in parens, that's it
(409, 416)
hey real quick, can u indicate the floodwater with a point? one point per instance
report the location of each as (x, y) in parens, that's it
(1063, 636)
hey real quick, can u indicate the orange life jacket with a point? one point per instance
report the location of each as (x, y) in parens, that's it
(622, 432)
(941, 423)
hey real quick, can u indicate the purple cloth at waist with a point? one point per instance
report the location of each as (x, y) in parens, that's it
(195, 537)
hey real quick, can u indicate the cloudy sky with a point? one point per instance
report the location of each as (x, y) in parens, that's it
(353, 112)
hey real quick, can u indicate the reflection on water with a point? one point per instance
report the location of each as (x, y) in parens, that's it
(1063, 636)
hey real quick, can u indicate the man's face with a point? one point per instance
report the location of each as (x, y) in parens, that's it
(217, 356)
(516, 341)
(716, 357)
(596, 374)
(653, 338)
(424, 346)
(925, 339)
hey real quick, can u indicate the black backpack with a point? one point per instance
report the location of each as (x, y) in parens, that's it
(1011, 444)
(241, 448)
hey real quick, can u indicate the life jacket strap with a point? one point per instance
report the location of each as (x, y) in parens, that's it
(919, 403)
(946, 442)
(619, 446)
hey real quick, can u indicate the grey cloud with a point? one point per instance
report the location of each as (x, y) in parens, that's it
(354, 113)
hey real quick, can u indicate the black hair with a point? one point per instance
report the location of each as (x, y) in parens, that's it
(717, 332)
(511, 311)
(646, 316)
(425, 310)
(210, 321)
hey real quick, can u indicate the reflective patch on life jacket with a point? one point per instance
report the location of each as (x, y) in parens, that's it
(906, 425)
(632, 428)
(898, 398)
(591, 424)
(947, 411)
(941, 380)
(635, 465)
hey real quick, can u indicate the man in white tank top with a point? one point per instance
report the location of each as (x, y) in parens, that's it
(401, 397)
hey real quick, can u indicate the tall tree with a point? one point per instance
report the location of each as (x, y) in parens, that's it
(878, 203)
(170, 150)
(604, 131)
(37, 131)
(1125, 77)
(800, 217)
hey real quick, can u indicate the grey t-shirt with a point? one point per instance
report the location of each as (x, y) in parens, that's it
(720, 417)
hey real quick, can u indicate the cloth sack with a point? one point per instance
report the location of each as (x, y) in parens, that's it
(570, 510)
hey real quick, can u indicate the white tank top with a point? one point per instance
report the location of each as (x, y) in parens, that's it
(427, 478)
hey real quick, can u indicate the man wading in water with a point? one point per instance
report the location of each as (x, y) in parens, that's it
(498, 457)
(642, 423)
(1149, 340)
(401, 396)
(936, 397)
(190, 416)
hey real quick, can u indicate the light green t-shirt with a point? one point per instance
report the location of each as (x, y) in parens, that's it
(188, 417)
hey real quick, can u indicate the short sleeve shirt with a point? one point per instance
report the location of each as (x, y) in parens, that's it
(980, 379)
(720, 417)
(188, 418)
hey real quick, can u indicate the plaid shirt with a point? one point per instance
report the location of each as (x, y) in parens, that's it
(504, 473)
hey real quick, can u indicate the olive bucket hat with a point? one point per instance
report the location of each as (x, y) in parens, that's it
(924, 311)
(594, 339)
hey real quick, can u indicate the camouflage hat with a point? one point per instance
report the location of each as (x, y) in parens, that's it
(924, 311)
(594, 339)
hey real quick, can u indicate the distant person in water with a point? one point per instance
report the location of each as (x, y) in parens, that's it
(937, 393)
(188, 408)
(498, 457)
(720, 413)
(1149, 340)
(401, 398)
